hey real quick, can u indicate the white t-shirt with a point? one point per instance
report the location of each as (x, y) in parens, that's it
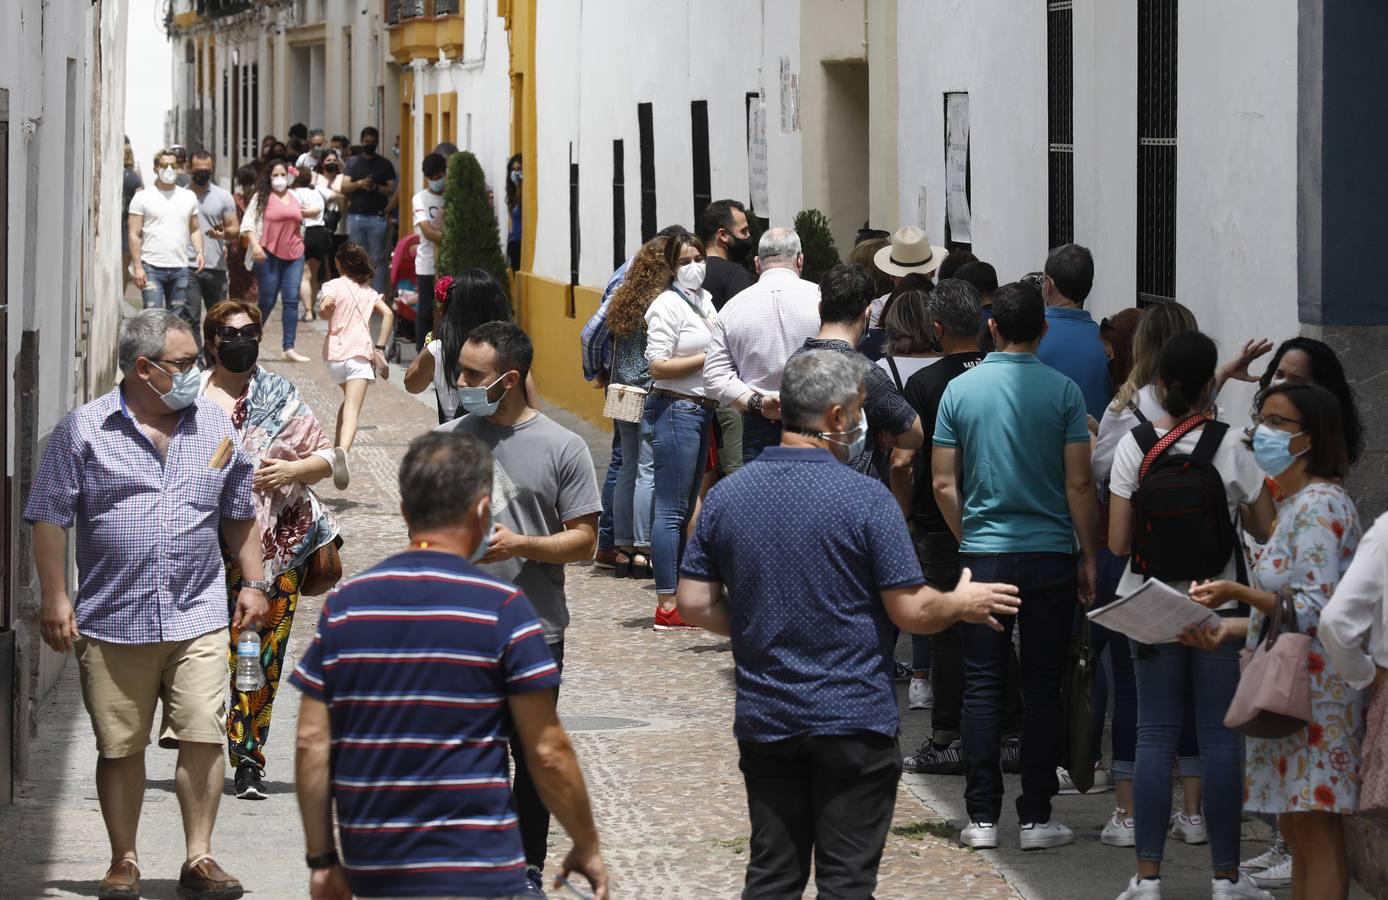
(875, 317)
(428, 207)
(311, 198)
(906, 366)
(1243, 482)
(164, 232)
(447, 393)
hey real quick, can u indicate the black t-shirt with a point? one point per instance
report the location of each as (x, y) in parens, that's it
(924, 391)
(724, 280)
(372, 203)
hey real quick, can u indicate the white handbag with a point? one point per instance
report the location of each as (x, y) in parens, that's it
(624, 403)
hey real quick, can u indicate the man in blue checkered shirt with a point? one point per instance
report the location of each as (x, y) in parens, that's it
(149, 475)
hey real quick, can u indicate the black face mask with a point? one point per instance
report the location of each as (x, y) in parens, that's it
(330, 167)
(238, 354)
(741, 249)
(368, 149)
(201, 178)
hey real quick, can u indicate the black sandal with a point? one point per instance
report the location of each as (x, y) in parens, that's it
(643, 568)
(622, 568)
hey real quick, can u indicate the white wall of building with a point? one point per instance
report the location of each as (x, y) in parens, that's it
(996, 51)
(593, 70)
(148, 93)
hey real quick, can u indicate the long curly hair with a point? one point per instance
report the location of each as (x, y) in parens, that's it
(647, 278)
(262, 187)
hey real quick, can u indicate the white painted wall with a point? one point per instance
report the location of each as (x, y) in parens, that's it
(996, 51)
(593, 70)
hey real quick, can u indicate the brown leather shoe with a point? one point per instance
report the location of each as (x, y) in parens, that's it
(205, 880)
(122, 881)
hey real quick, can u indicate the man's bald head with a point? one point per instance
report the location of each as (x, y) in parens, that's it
(779, 247)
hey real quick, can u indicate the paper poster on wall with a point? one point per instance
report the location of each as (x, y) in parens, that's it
(922, 210)
(756, 158)
(790, 98)
(957, 167)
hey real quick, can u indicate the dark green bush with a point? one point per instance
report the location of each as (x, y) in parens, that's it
(817, 243)
(471, 234)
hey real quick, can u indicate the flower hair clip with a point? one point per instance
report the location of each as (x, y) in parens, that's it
(441, 290)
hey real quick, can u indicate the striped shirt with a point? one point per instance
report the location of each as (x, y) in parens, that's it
(415, 659)
(149, 567)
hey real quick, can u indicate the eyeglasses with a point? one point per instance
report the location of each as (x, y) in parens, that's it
(1271, 422)
(182, 365)
(227, 332)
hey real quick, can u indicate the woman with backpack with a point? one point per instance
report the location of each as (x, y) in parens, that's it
(1311, 778)
(1180, 485)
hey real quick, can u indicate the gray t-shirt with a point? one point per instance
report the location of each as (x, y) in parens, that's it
(542, 477)
(213, 205)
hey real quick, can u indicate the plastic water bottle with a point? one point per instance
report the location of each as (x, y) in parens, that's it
(249, 675)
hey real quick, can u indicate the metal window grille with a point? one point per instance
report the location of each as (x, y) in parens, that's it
(226, 112)
(1156, 151)
(703, 190)
(574, 241)
(445, 7)
(646, 125)
(1060, 81)
(619, 203)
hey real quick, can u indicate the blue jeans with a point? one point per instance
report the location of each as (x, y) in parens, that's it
(634, 495)
(1164, 676)
(606, 539)
(279, 279)
(370, 233)
(1124, 684)
(166, 289)
(758, 433)
(679, 447)
(1048, 589)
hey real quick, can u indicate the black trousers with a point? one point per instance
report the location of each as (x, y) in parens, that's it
(832, 797)
(531, 811)
(938, 553)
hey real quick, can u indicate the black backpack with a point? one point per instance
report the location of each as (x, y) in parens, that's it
(1181, 525)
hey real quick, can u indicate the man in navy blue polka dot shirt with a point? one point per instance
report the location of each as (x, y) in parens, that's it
(818, 567)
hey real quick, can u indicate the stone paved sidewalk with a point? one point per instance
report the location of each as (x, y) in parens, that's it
(651, 716)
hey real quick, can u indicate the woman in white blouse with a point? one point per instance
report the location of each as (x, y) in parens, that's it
(1354, 630)
(678, 414)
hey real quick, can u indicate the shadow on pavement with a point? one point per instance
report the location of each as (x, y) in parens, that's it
(150, 888)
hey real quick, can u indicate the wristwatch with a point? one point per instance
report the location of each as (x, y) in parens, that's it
(263, 586)
(322, 860)
(754, 404)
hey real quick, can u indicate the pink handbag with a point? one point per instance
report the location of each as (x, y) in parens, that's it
(1273, 699)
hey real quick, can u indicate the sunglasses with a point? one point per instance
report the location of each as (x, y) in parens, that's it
(226, 332)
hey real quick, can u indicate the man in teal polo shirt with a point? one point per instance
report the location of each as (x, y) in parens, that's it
(1011, 474)
(1072, 345)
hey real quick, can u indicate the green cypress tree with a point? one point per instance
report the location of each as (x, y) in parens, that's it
(471, 234)
(817, 243)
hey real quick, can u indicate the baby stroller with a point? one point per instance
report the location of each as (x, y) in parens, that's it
(404, 287)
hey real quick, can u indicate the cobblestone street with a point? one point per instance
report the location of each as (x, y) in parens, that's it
(650, 713)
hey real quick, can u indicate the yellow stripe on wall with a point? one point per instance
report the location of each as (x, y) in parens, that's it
(558, 365)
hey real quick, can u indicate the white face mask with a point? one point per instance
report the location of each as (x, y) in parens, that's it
(168, 175)
(279, 183)
(691, 275)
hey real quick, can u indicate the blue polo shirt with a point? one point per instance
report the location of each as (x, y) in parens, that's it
(1073, 347)
(1010, 417)
(805, 545)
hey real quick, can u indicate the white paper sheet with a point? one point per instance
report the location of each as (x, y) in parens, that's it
(757, 168)
(1153, 614)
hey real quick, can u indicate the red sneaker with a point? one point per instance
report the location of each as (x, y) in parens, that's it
(669, 620)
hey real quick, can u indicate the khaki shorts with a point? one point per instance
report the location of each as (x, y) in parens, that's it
(122, 682)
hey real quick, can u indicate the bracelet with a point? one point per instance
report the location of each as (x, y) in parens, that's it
(322, 860)
(380, 346)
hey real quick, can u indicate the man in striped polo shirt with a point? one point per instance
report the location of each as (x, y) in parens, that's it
(421, 671)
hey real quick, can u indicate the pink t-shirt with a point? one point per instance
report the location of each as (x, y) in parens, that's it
(348, 307)
(282, 222)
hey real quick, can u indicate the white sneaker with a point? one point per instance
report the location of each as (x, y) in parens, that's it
(1278, 876)
(1190, 829)
(292, 355)
(1119, 830)
(1146, 889)
(980, 836)
(1274, 855)
(1245, 888)
(1102, 781)
(1044, 835)
(920, 695)
(341, 477)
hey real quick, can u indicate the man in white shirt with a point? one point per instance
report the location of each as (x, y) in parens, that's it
(756, 333)
(162, 219)
(428, 221)
(317, 146)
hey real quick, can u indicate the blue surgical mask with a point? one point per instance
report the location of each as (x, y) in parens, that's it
(185, 389)
(437, 185)
(858, 444)
(515, 176)
(474, 399)
(481, 551)
(1272, 449)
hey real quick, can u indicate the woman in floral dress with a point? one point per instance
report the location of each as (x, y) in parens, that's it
(1310, 779)
(279, 429)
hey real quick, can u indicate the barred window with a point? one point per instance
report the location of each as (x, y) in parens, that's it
(619, 204)
(1060, 81)
(646, 126)
(1156, 151)
(698, 129)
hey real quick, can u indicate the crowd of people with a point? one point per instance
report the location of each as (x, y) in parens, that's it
(812, 469)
